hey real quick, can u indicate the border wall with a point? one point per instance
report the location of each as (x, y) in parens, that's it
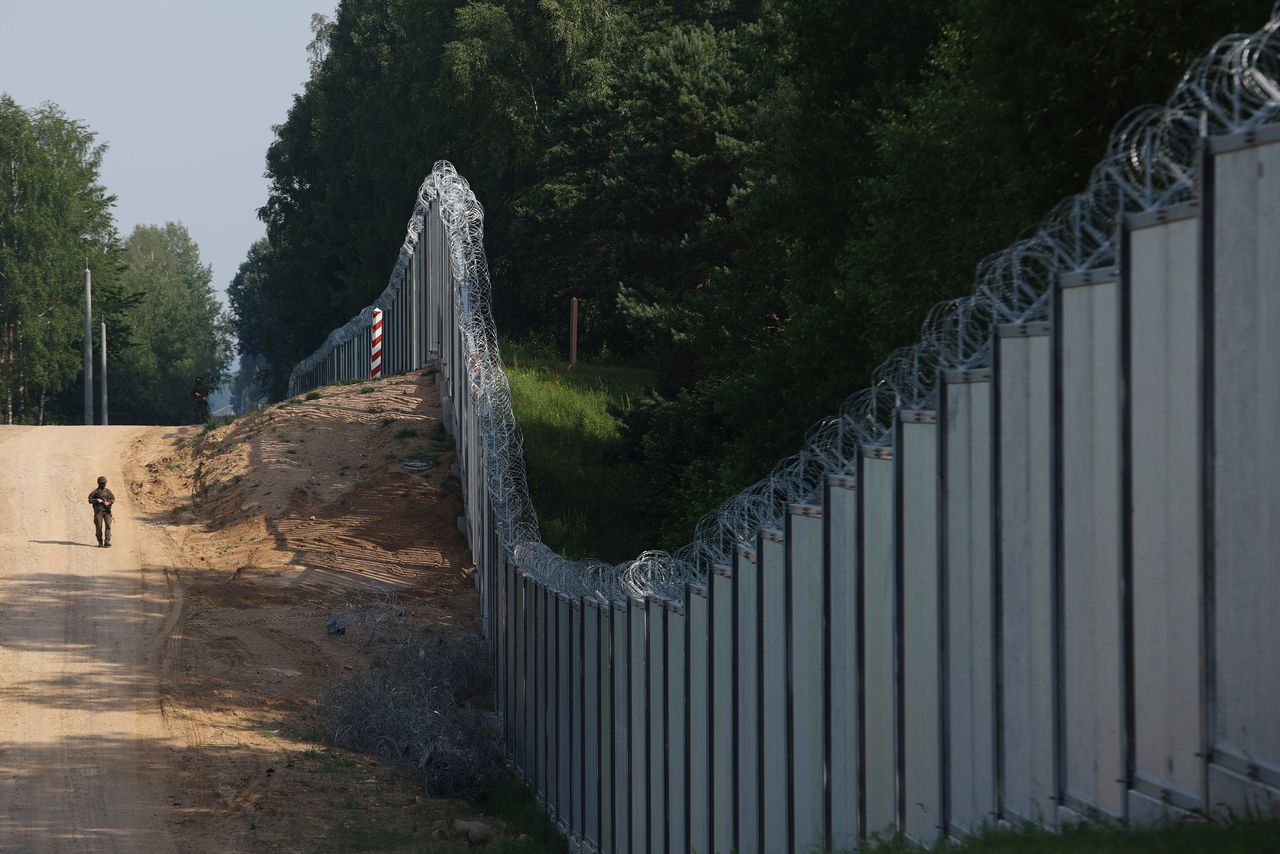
(1032, 574)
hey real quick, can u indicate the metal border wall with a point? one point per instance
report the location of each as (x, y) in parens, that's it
(1023, 576)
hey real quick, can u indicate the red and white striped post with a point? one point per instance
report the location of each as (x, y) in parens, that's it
(375, 351)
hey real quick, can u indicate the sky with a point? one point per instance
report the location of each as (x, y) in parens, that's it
(183, 92)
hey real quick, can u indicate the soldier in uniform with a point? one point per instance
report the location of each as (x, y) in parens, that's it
(102, 499)
(200, 397)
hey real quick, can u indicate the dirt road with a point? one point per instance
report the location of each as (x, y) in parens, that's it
(164, 695)
(82, 631)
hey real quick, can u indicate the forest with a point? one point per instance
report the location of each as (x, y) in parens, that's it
(164, 324)
(755, 200)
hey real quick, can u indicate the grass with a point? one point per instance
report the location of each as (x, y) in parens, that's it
(214, 423)
(513, 803)
(313, 395)
(1189, 837)
(367, 822)
(583, 495)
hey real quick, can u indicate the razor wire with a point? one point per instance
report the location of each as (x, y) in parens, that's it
(1152, 161)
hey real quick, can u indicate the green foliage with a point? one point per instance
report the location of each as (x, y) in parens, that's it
(55, 219)
(513, 803)
(889, 171)
(180, 330)
(1255, 836)
(757, 201)
(585, 494)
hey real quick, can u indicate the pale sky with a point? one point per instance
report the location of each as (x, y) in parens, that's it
(184, 93)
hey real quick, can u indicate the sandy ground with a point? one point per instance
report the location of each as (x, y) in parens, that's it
(161, 695)
(82, 641)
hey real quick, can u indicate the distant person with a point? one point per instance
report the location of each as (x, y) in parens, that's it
(200, 397)
(102, 499)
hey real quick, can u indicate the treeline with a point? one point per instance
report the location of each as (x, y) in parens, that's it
(164, 325)
(759, 199)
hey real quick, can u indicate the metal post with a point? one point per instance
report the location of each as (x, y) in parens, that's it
(88, 346)
(375, 351)
(104, 375)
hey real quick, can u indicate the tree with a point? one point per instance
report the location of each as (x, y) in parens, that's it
(55, 218)
(760, 198)
(181, 331)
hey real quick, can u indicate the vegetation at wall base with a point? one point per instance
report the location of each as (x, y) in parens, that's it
(1238, 836)
(513, 802)
(583, 488)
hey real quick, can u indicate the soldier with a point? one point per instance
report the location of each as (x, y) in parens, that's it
(102, 499)
(200, 396)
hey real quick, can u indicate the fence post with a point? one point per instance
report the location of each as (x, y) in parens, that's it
(880, 738)
(721, 677)
(806, 665)
(844, 660)
(592, 713)
(637, 722)
(746, 699)
(678, 717)
(1026, 591)
(565, 700)
(1091, 544)
(1242, 491)
(698, 781)
(656, 736)
(919, 627)
(577, 722)
(620, 688)
(1160, 267)
(607, 757)
(775, 794)
(573, 331)
(965, 407)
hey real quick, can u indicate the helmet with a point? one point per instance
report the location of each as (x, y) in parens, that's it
(102, 481)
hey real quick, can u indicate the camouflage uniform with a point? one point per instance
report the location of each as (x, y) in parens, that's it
(200, 397)
(102, 499)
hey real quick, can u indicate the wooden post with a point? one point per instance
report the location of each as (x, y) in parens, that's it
(573, 331)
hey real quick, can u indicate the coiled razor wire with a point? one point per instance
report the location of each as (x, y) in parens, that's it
(1152, 161)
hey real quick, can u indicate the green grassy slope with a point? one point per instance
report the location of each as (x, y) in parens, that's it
(583, 494)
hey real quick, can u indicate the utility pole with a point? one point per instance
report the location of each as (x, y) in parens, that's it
(104, 374)
(88, 346)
